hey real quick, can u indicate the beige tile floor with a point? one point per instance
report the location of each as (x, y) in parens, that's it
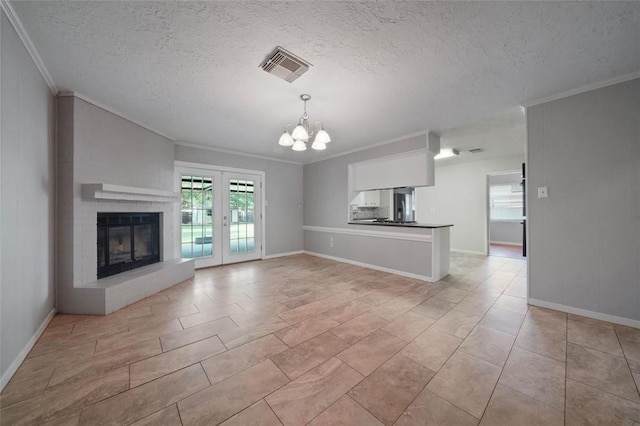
(303, 340)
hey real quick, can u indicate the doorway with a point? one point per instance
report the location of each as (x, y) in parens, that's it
(220, 217)
(505, 214)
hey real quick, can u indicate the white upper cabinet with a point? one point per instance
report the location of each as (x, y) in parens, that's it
(369, 199)
(415, 168)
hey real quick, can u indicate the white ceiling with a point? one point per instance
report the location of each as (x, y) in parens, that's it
(501, 135)
(380, 69)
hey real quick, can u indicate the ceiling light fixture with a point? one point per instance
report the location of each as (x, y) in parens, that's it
(446, 153)
(301, 134)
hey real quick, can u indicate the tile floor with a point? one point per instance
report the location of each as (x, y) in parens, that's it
(506, 250)
(303, 340)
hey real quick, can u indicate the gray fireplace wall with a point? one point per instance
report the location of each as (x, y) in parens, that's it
(96, 146)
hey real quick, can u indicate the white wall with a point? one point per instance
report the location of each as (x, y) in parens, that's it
(282, 190)
(584, 239)
(27, 293)
(460, 197)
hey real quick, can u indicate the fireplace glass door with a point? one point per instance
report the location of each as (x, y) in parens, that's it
(119, 244)
(127, 241)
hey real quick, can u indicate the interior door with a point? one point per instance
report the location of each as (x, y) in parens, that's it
(241, 219)
(201, 217)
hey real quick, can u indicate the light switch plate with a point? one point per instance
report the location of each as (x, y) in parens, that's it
(543, 192)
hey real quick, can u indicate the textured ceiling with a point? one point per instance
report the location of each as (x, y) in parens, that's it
(380, 69)
(501, 135)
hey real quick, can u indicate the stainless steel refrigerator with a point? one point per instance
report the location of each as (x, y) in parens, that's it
(404, 204)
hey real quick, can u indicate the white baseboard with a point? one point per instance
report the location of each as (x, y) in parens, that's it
(481, 253)
(370, 266)
(506, 243)
(25, 351)
(585, 313)
(289, 253)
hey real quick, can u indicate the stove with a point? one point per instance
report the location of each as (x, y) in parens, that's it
(385, 220)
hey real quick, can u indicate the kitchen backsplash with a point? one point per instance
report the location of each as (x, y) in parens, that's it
(369, 213)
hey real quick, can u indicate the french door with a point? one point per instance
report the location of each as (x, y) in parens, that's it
(220, 216)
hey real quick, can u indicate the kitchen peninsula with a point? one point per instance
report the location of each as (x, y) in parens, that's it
(379, 180)
(436, 237)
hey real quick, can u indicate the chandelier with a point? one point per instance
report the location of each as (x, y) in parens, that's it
(301, 134)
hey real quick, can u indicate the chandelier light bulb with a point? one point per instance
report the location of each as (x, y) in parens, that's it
(299, 133)
(318, 145)
(323, 137)
(299, 145)
(285, 139)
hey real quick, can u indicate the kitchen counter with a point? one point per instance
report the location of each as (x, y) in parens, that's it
(416, 250)
(405, 225)
(436, 249)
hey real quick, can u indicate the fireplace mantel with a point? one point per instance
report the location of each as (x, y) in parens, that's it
(107, 191)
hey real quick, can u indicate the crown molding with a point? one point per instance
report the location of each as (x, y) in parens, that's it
(114, 112)
(229, 151)
(583, 89)
(6, 7)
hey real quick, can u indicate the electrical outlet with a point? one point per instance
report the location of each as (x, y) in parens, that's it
(433, 209)
(543, 192)
(330, 241)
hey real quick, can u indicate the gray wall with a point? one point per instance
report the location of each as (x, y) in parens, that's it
(460, 197)
(282, 191)
(584, 240)
(505, 232)
(415, 256)
(27, 293)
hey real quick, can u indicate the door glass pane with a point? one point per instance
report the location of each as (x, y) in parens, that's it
(241, 214)
(197, 216)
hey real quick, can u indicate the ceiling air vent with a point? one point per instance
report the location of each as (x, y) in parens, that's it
(284, 64)
(476, 150)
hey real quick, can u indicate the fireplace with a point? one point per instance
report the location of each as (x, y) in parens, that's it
(127, 241)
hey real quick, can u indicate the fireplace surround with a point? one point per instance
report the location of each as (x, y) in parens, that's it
(107, 164)
(127, 241)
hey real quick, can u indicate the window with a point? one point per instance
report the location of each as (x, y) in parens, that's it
(505, 201)
(197, 216)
